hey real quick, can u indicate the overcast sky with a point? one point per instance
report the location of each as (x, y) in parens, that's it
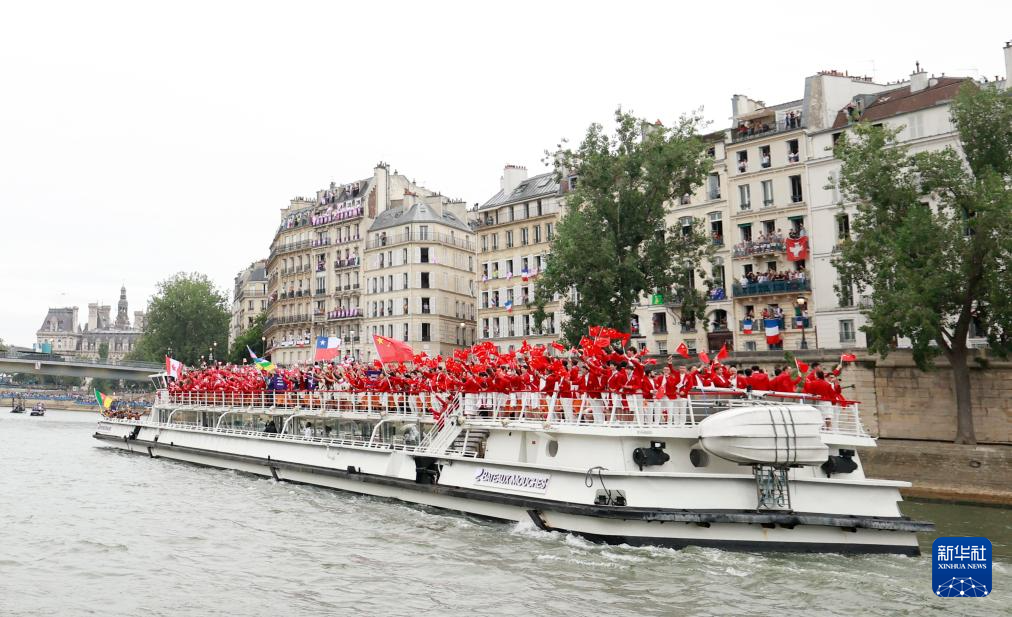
(136, 142)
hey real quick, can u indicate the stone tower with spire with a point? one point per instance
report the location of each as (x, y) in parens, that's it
(122, 316)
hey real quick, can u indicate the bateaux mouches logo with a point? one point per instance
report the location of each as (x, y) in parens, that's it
(961, 567)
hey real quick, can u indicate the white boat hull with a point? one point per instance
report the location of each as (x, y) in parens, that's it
(665, 509)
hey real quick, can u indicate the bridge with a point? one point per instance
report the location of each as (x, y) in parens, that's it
(53, 364)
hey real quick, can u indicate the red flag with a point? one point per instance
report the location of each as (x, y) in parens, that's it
(682, 350)
(704, 357)
(723, 352)
(558, 345)
(390, 350)
(848, 357)
(650, 361)
(525, 347)
(797, 248)
(802, 367)
(602, 341)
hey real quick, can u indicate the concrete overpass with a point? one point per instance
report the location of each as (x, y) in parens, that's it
(53, 364)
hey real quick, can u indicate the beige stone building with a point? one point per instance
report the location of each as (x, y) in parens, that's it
(316, 268)
(61, 334)
(249, 299)
(515, 229)
(419, 275)
(660, 326)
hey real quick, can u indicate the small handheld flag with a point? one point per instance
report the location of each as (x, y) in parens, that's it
(704, 357)
(722, 354)
(848, 357)
(802, 367)
(682, 350)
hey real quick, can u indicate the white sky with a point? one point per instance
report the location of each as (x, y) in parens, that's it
(136, 142)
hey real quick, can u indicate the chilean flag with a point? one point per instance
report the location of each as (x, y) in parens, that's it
(772, 327)
(327, 348)
(746, 326)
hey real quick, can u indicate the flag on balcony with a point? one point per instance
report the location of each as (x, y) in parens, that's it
(772, 327)
(525, 274)
(682, 350)
(802, 366)
(173, 368)
(848, 357)
(390, 350)
(722, 354)
(508, 306)
(797, 248)
(327, 348)
(746, 326)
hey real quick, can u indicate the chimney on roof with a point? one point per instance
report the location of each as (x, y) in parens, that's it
(512, 176)
(918, 79)
(1008, 65)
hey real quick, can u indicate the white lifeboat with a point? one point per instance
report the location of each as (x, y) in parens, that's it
(766, 434)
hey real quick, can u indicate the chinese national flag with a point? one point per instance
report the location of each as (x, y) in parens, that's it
(802, 367)
(704, 357)
(848, 357)
(682, 350)
(559, 346)
(390, 350)
(723, 352)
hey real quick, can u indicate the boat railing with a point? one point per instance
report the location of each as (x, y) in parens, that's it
(603, 409)
(397, 444)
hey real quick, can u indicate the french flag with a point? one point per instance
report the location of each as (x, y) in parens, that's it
(772, 327)
(525, 274)
(327, 348)
(746, 326)
(509, 306)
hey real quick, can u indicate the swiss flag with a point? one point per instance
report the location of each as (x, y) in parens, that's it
(797, 248)
(390, 350)
(682, 350)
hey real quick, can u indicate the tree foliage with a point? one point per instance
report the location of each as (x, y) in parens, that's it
(613, 243)
(932, 237)
(103, 351)
(188, 314)
(251, 338)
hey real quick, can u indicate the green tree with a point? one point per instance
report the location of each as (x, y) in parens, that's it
(188, 315)
(932, 238)
(103, 351)
(613, 243)
(250, 337)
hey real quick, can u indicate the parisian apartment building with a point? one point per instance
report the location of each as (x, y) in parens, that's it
(377, 255)
(249, 300)
(382, 255)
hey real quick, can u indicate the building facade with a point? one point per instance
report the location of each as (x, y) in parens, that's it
(249, 299)
(660, 326)
(316, 268)
(419, 273)
(62, 334)
(515, 229)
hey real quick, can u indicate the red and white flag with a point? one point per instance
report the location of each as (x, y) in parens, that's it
(327, 348)
(797, 248)
(173, 368)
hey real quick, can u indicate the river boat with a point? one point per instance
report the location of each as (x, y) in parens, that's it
(756, 471)
(18, 404)
(39, 409)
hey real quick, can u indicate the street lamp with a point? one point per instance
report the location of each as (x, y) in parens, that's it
(801, 319)
(463, 334)
(263, 345)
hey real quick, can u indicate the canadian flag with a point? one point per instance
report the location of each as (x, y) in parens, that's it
(173, 368)
(797, 248)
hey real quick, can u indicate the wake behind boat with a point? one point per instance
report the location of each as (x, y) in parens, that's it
(768, 471)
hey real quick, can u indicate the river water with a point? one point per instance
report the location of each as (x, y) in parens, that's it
(89, 530)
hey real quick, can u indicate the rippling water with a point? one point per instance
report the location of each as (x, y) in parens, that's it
(94, 531)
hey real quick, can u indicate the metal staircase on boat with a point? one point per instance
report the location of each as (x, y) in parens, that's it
(470, 442)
